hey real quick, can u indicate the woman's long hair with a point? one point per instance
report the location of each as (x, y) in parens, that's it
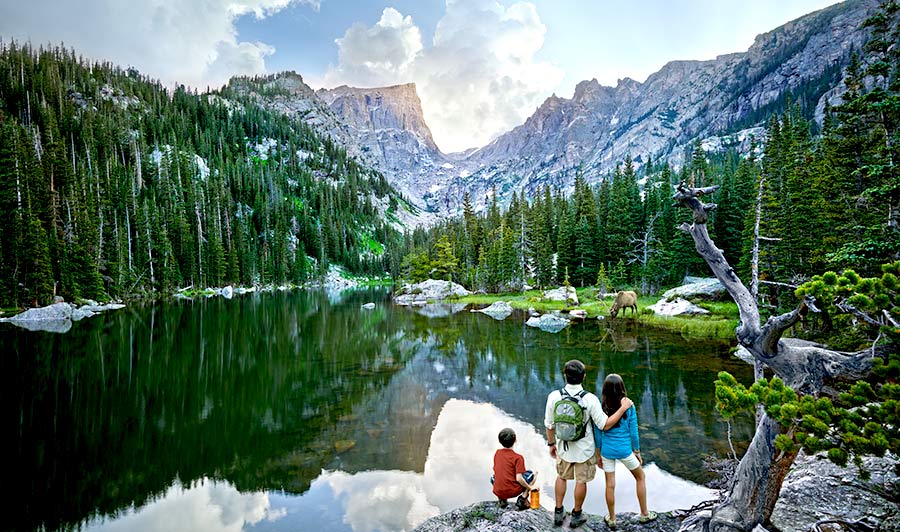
(612, 394)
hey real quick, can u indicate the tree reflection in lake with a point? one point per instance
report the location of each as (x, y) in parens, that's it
(263, 392)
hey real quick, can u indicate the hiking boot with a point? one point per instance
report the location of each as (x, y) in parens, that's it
(559, 515)
(577, 520)
(503, 503)
(647, 518)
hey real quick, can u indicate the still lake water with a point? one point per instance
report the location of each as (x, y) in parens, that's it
(302, 411)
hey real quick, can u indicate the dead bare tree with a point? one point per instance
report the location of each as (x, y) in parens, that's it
(803, 366)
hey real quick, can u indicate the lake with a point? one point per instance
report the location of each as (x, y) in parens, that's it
(303, 411)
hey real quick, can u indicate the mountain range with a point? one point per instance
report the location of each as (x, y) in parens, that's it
(722, 101)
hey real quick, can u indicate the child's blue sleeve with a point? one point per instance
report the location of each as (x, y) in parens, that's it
(633, 428)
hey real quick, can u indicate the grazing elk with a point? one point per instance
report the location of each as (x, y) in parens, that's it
(623, 301)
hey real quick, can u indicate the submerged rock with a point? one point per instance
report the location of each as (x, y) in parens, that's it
(578, 313)
(499, 310)
(552, 323)
(489, 517)
(368, 306)
(698, 287)
(227, 292)
(562, 294)
(677, 307)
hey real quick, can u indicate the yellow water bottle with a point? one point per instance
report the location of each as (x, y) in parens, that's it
(535, 499)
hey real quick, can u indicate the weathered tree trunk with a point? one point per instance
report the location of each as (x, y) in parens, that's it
(802, 366)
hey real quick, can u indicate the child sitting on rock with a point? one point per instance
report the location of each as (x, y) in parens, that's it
(510, 478)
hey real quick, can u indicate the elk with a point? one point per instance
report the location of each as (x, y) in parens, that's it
(624, 300)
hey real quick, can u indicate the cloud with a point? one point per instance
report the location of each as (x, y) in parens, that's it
(193, 42)
(477, 79)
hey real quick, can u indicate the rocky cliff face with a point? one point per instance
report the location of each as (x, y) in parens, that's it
(719, 101)
(388, 125)
(599, 125)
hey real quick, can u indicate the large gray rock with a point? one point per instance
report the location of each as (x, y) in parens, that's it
(562, 293)
(552, 323)
(499, 310)
(816, 489)
(429, 290)
(56, 311)
(489, 517)
(698, 287)
(58, 317)
(678, 307)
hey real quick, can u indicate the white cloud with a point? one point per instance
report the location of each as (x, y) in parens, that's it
(477, 79)
(193, 42)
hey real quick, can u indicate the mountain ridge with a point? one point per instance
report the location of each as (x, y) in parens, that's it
(593, 130)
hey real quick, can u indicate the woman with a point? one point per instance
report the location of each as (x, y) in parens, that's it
(620, 443)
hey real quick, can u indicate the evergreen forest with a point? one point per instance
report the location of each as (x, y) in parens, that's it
(112, 184)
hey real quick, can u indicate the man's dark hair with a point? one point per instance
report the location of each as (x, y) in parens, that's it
(507, 437)
(574, 372)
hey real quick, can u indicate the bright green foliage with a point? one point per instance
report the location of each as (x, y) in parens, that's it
(865, 420)
(445, 263)
(872, 302)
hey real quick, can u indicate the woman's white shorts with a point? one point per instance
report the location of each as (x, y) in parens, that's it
(630, 461)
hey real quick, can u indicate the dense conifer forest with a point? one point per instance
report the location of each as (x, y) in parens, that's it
(112, 184)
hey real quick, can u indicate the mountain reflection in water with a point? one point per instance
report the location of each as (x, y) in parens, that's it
(302, 411)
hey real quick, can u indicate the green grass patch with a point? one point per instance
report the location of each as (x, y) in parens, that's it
(720, 323)
(372, 246)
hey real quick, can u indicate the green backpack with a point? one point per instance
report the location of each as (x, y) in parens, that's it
(569, 420)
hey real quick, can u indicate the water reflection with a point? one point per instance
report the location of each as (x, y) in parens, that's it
(264, 392)
(206, 505)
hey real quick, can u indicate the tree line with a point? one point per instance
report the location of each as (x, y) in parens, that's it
(112, 184)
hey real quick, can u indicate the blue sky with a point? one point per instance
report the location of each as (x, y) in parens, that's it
(481, 67)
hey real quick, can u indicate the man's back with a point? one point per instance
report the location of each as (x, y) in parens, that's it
(582, 449)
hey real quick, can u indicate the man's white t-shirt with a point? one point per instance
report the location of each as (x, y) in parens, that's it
(579, 450)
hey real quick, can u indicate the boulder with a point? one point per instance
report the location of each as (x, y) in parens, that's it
(698, 287)
(816, 489)
(552, 323)
(499, 310)
(227, 292)
(56, 311)
(578, 313)
(81, 313)
(487, 516)
(568, 296)
(368, 306)
(677, 307)
(533, 312)
(429, 290)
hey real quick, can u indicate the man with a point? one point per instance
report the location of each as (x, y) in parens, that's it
(576, 459)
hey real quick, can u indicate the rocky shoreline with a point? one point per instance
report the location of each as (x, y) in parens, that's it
(59, 316)
(815, 492)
